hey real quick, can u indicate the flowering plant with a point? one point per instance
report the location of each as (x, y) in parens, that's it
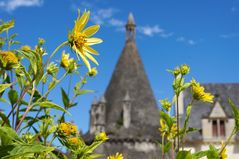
(28, 130)
(173, 135)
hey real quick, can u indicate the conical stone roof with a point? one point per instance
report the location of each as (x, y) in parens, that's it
(129, 77)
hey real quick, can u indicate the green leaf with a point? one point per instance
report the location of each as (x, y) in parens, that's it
(52, 84)
(200, 154)
(6, 26)
(3, 87)
(4, 150)
(212, 152)
(190, 130)
(4, 118)
(167, 147)
(13, 36)
(185, 86)
(166, 118)
(8, 135)
(26, 150)
(170, 71)
(48, 104)
(65, 98)
(235, 113)
(13, 96)
(81, 92)
(188, 112)
(4, 101)
(95, 156)
(184, 155)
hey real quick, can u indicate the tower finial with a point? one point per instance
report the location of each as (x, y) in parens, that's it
(130, 28)
(130, 19)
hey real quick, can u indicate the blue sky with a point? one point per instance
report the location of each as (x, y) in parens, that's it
(203, 34)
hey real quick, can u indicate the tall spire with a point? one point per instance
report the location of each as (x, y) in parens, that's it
(130, 78)
(130, 28)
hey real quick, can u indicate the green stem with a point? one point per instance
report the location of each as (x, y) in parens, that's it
(69, 85)
(184, 132)
(173, 155)
(54, 52)
(28, 107)
(48, 91)
(53, 138)
(15, 106)
(234, 131)
(162, 146)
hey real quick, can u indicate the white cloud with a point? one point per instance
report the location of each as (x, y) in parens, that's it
(150, 30)
(185, 40)
(11, 5)
(229, 36)
(166, 35)
(116, 22)
(180, 39)
(103, 15)
(191, 42)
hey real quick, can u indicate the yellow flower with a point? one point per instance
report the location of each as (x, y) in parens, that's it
(8, 60)
(69, 64)
(93, 72)
(116, 156)
(163, 127)
(65, 60)
(74, 140)
(102, 136)
(200, 94)
(81, 40)
(74, 129)
(176, 71)
(172, 132)
(66, 129)
(25, 48)
(52, 69)
(166, 104)
(165, 130)
(223, 151)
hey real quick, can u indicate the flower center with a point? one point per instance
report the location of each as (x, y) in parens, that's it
(80, 41)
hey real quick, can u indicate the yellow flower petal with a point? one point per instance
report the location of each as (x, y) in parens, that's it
(90, 49)
(81, 22)
(93, 41)
(91, 58)
(85, 61)
(91, 30)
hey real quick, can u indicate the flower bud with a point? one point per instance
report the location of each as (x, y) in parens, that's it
(184, 69)
(93, 72)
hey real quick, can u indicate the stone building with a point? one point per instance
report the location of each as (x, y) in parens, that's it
(128, 111)
(215, 121)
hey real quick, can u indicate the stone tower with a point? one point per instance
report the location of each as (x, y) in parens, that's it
(128, 112)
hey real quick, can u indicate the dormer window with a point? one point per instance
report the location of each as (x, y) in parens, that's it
(215, 126)
(218, 128)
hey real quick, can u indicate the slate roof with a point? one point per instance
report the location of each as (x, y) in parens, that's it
(202, 110)
(129, 77)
